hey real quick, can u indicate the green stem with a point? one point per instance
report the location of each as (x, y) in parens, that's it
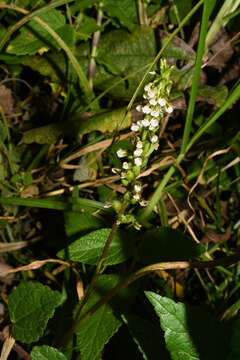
(227, 260)
(97, 272)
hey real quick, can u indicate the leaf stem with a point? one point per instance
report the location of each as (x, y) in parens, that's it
(90, 288)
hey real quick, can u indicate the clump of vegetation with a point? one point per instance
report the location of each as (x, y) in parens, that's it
(119, 179)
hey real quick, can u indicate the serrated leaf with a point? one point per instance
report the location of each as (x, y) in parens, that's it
(30, 306)
(88, 248)
(33, 36)
(45, 352)
(148, 336)
(76, 222)
(104, 323)
(190, 332)
(166, 244)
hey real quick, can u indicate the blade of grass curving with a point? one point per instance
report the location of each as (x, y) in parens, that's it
(81, 75)
(207, 9)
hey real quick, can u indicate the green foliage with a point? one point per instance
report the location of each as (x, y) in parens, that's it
(69, 70)
(88, 248)
(34, 37)
(98, 330)
(190, 333)
(45, 352)
(30, 306)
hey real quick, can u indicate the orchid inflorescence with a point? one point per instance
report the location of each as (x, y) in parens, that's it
(156, 105)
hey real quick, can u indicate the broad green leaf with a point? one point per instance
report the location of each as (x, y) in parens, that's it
(166, 244)
(95, 332)
(76, 222)
(190, 332)
(34, 37)
(30, 306)
(234, 341)
(47, 134)
(125, 11)
(45, 352)
(88, 248)
(127, 53)
(104, 122)
(214, 94)
(148, 336)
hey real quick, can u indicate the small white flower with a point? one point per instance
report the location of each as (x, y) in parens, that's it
(135, 127)
(169, 109)
(145, 122)
(137, 226)
(151, 127)
(148, 87)
(121, 153)
(145, 96)
(154, 123)
(139, 145)
(143, 203)
(138, 152)
(146, 109)
(151, 94)
(156, 146)
(154, 139)
(162, 102)
(152, 72)
(115, 170)
(138, 161)
(139, 123)
(155, 113)
(137, 188)
(153, 102)
(136, 197)
(125, 165)
(139, 108)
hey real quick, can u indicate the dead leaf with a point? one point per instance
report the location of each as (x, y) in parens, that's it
(221, 50)
(6, 100)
